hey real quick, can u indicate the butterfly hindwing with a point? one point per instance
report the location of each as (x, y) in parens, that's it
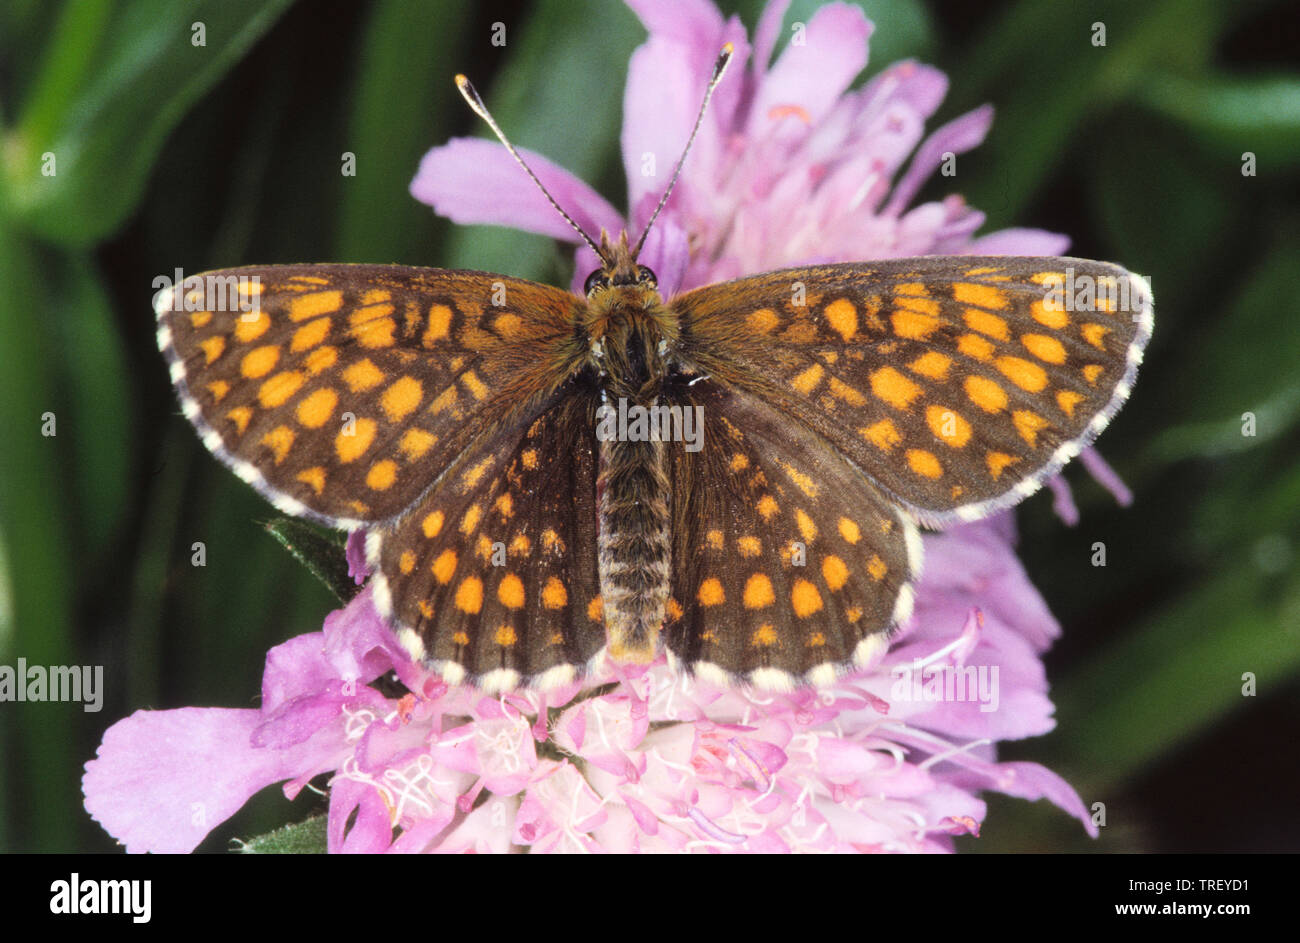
(788, 564)
(958, 384)
(492, 576)
(346, 389)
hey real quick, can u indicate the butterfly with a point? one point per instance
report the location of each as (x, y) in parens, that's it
(736, 475)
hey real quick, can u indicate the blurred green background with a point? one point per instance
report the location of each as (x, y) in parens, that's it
(201, 157)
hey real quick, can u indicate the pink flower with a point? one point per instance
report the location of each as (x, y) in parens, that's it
(790, 167)
(629, 760)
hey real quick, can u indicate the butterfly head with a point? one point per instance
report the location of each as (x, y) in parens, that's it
(619, 269)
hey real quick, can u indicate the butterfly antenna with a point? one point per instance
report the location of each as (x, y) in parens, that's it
(719, 67)
(470, 94)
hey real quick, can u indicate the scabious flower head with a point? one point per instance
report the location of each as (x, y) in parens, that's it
(791, 166)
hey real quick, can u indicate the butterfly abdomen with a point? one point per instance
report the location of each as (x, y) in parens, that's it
(635, 492)
(634, 546)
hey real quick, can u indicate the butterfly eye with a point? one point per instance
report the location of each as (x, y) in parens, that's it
(595, 280)
(645, 276)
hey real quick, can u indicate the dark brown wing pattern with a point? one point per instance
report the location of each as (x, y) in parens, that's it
(958, 385)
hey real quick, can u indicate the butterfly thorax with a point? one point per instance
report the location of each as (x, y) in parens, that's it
(631, 333)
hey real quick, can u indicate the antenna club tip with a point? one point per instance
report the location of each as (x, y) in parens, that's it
(461, 80)
(727, 49)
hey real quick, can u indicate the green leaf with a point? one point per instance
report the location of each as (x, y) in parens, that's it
(1177, 674)
(322, 556)
(108, 96)
(1075, 83)
(1233, 114)
(1244, 361)
(308, 837)
(399, 103)
(40, 554)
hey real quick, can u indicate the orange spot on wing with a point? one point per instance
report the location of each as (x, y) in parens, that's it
(913, 325)
(1046, 349)
(251, 325)
(554, 595)
(1049, 315)
(1029, 424)
(710, 592)
(884, 435)
(240, 416)
(893, 388)
(469, 595)
(415, 443)
(986, 323)
(762, 321)
(1095, 334)
(279, 440)
(277, 390)
(309, 335)
(997, 462)
(948, 426)
(212, 348)
(351, 447)
(402, 398)
(322, 358)
(924, 463)
(362, 376)
(382, 474)
(835, 572)
(931, 364)
(314, 304)
(807, 381)
(976, 347)
(439, 325)
(805, 599)
(842, 316)
(758, 592)
(317, 407)
(1025, 374)
(511, 591)
(986, 296)
(1067, 400)
(986, 394)
(313, 477)
(259, 362)
(444, 568)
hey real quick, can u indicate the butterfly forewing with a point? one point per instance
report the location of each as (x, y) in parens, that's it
(342, 391)
(957, 384)
(492, 576)
(788, 564)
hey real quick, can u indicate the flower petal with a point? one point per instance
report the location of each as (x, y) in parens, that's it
(470, 180)
(163, 779)
(811, 77)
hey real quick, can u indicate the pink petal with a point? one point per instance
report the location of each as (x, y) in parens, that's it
(1020, 242)
(665, 85)
(1106, 476)
(371, 831)
(163, 779)
(765, 36)
(813, 76)
(470, 180)
(957, 136)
